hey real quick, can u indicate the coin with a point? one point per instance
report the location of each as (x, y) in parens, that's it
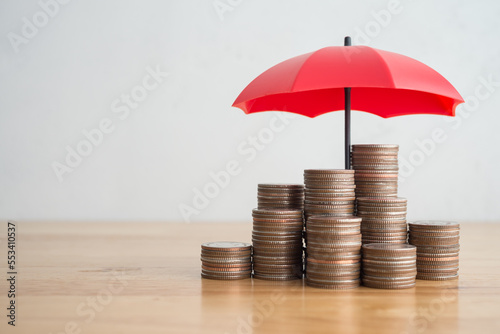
(437, 240)
(276, 277)
(333, 251)
(348, 267)
(381, 248)
(277, 243)
(226, 260)
(217, 253)
(281, 185)
(227, 277)
(335, 221)
(316, 260)
(239, 263)
(333, 283)
(383, 219)
(437, 277)
(332, 286)
(389, 266)
(226, 246)
(370, 147)
(434, 234)
(276, 213)
(431, 225)
(333, 238)
(376, 169)
(381, 285)
(328, 171)
(438, 248)
(280, 196)
(369, 210)
(386, 234)
(225, 269)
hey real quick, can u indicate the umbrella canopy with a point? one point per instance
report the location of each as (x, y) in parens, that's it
(383, 83)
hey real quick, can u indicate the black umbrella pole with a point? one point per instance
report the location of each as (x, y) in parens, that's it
(347, 130)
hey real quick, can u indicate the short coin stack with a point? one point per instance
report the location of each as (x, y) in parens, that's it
(226, 260)
(277, 244)
(280, 196)
(389, 266)
(329, 192)
(384, 219)
(438, 246)
(333, 252)
(376, 169)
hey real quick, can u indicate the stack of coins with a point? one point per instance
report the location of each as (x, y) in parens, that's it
(329, 192)
(280, 196)
(333, 252)
(384, 219)
(376, 169)
(389, 266)
(277, 244)
(438, 246)
(226, 260)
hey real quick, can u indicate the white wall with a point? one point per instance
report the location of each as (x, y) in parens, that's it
(64, 78)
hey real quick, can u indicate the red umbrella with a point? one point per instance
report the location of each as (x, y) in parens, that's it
(340, 77)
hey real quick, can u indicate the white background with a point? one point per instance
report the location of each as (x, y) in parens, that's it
(64, 79)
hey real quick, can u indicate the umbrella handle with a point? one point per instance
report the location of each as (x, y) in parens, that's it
(347, 118)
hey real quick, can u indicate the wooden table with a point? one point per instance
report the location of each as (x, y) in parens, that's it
(145, 278)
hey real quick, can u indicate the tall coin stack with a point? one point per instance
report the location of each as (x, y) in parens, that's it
(376, 169)
(280, 196)
(389, 266)
(438, 246)
(333, 252)
(277, 244)
(226, 260)
(329, 192)
(384, 219)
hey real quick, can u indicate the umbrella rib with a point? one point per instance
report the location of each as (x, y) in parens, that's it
(292, 88)
(386, 67)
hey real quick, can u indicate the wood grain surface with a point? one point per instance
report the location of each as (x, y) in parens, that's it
(145, 278)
